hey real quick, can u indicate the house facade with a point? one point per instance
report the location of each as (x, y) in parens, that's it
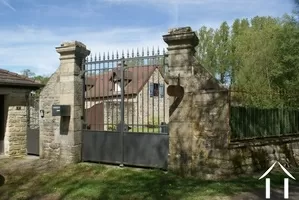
(15, 91)
(146, 102)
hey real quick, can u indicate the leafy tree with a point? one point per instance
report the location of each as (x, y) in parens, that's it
(206, 50)
(222, 44)
(234, 59)
(259, 55)
(286, 75)
(27, 73)
(42, 79)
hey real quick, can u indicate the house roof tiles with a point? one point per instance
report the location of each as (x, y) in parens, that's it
(8, 78)
(102, 86)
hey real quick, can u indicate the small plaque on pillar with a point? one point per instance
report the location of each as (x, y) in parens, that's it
(61, 110)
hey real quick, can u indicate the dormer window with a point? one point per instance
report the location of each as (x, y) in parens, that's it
(116, 80)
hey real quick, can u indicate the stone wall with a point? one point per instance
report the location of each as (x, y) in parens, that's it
(200, 144)
(60, 136)
(198, 126)
(257, 155)
(198, 108)
(50, 126)
(16, 121)
(247, 157)
(199, 131)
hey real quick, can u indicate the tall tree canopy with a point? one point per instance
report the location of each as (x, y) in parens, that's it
(258, 55)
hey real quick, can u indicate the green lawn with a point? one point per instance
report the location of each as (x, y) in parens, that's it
(94, 181)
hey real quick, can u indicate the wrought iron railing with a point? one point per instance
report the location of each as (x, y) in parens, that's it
(126, 89)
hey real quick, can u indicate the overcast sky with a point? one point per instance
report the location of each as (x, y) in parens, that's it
(31, 29)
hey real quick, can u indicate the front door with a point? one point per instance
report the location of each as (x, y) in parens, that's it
(2, 124)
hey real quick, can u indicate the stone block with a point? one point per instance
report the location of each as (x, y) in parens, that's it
(182, 169)
(66, 77)
(180, 149)
(78, 111)
(78, 137)
(186, 113)
(219, 99)
(75, 125)
(67, 99)
(198, 145)
(70, 154)
(67, 88)
(177, 128)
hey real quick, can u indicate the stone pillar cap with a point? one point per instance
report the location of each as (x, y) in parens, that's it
(180, 30)
(73, 47)
(73, 43)
(181, 36)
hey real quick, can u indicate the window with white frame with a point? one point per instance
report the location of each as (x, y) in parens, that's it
(156, 90)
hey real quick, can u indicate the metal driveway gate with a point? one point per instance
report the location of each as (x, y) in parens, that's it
(33, 125)
(126, 109)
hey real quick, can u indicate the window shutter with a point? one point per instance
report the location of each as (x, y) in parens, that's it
(161, 90)
(151, 89)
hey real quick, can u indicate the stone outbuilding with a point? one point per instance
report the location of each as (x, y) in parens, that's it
(15, 91)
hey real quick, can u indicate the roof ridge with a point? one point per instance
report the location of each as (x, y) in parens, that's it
(114, 68)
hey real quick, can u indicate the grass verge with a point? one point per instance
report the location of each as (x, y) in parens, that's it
(94, 181)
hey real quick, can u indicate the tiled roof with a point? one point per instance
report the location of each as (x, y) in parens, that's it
(8, 78)
(102, 86)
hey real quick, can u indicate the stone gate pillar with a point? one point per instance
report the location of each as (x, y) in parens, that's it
(71, 84)
(198, 107)
(61, 136)
(181, 48)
